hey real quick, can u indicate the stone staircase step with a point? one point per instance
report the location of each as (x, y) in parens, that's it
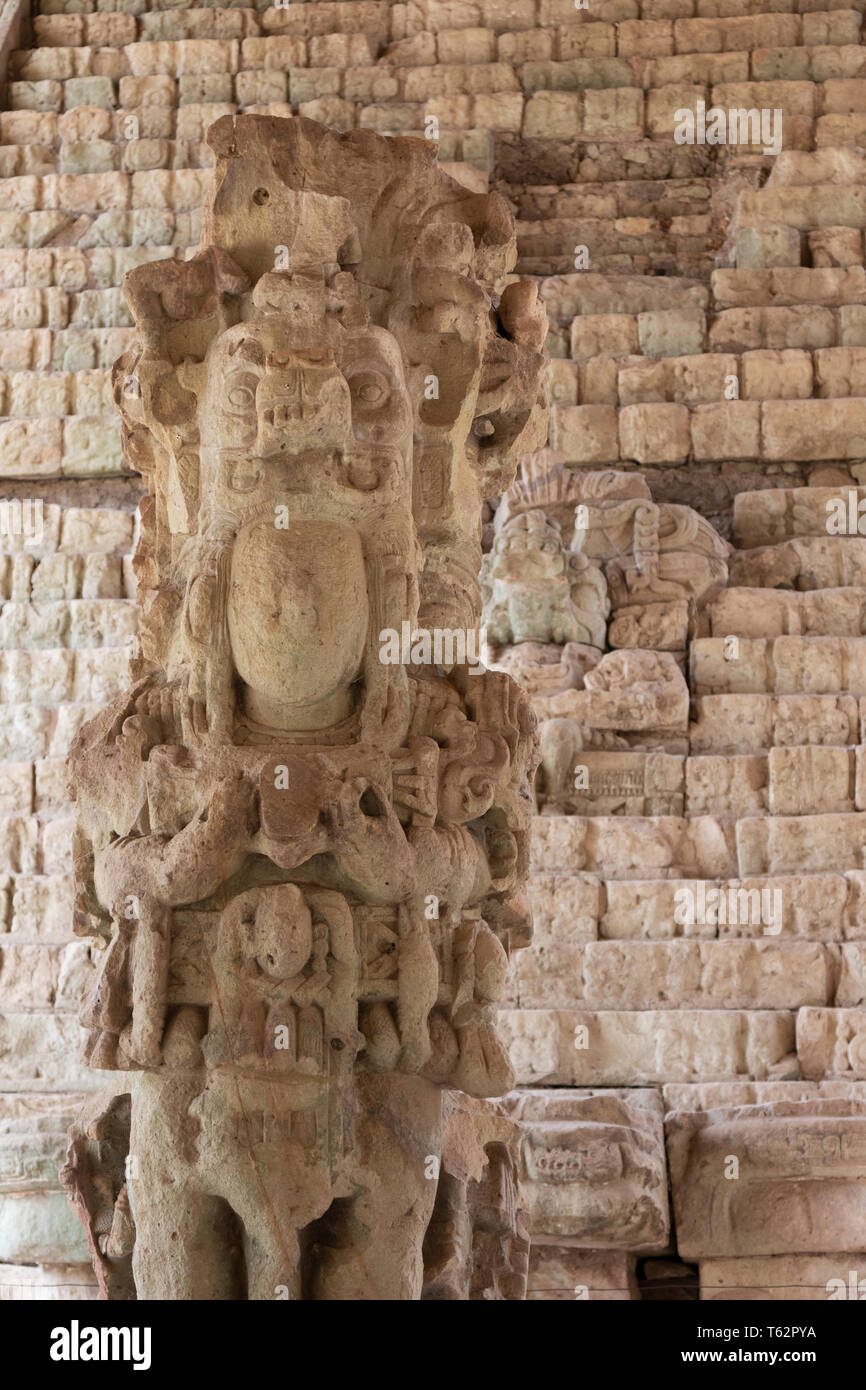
(808, 563)
(68, 350)
(779, 665)
(734, 723)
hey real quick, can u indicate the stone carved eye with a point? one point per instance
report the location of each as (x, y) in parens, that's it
(240, 393)
(370, 390)
(245, 476)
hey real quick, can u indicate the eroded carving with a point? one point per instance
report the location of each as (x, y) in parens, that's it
(305, 860)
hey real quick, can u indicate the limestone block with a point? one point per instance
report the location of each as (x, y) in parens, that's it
(730, 786)
(585, 434)
(559, 1272)
(767, 244)
(741, 330)
(813, 843)
(832, 1043)
(552, 116)
(85, 123)
(671, 332)
(840, 371)
(91, 392)
(63, 1282)
(28, 976)
(91, 446)
(815, 429)
(685, 380)
(618, 847)
(16, 789)
(775, 613)
(851, 988)
(593, 1167)
(736, 34)
(565, 906)
(331, 111)
(833, 287)
(205, 24)
(160, 90)
(596, 335)
(786, 665)
(813, 906)
(101, 531)
(42, 907)
(31, 395)
(726, 430)
(784, 1278)
(597, 378)
(658, 626)
(852, 325)
(260, 87)
(284, 51)
(99, 674)
(76, 975)
(587, 292)
(705, 975)
(35, 96)
(836, 246)
(613, 113)
(40, 1228)
(100, 308)
(50, 790)
(798, 1183)
(655, 433)
(194, 119)
(183, 58)
(30, 448)
(195, 88)
(528, 45)
(68, 721)
(631, 784)
(663, 101)
(25, 730)
(549, 976)
(725, 1093)
(780, 375)
(562, 379)
(56, 846)
(28, 127)
(833, 562)
(810, 779)
(570, 1048)
(580, 40)
(769, 515)
(89, 91)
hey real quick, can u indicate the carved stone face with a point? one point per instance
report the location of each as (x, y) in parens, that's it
(528, 549)
(306, 448)
(297, 619)
(315, 411)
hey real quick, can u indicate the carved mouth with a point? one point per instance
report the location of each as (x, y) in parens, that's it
(281, 415)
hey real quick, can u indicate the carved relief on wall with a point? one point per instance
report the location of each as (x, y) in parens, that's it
(591, 593)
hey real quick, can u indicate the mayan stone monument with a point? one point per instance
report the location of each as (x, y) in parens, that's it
(433, 651)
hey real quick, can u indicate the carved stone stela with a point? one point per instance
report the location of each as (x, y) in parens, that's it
(305, 858)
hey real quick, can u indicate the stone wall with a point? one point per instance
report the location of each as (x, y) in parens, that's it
(707, 308)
